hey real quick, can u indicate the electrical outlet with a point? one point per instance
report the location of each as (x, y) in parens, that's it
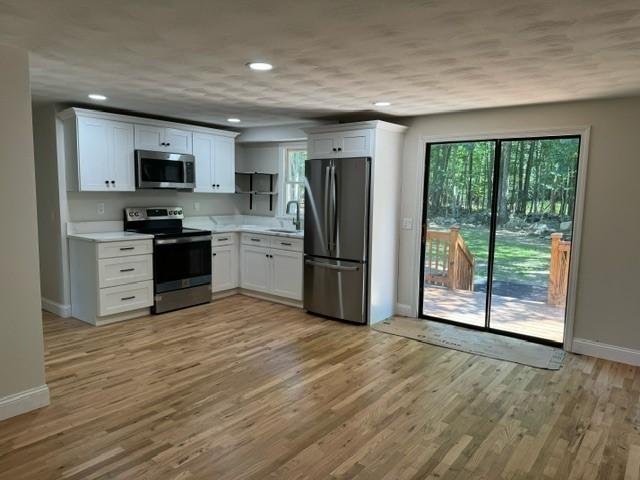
(101, 209)
(407, 223)
(196, 206)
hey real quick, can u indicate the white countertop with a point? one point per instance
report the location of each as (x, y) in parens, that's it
(260, 229)
(110, 236)
(112, 231)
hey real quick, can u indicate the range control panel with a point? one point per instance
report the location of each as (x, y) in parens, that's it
(153, 213)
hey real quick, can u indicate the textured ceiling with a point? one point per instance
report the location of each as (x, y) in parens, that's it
(186, 58)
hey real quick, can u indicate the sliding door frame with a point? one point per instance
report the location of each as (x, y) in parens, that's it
(583, 132)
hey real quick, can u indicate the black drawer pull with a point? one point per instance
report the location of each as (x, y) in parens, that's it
(285, 243)
(214, 254)
(127, 298)
(122, 249)
(127, 270)
(223, 239)
(256, 240)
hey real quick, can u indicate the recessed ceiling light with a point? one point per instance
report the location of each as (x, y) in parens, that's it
(260, 66)
(233, 120)
(97, 96)
(381, 104)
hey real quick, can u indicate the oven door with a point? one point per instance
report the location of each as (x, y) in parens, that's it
(164, 170)
(181, 262)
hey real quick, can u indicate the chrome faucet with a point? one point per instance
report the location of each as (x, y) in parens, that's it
(288, 211)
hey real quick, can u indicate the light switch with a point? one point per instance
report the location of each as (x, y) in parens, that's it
(101, 209)
(407, 223)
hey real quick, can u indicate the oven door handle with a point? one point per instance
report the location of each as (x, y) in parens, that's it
(173, 241)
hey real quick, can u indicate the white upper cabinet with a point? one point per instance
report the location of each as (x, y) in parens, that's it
(161, 139)
(215, 163)
(104, 155)
(349, 143)
(99, 150)
(322, 145)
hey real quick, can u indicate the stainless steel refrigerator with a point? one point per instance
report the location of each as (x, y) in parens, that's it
(336, 237)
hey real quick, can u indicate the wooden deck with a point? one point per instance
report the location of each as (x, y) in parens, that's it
(536, 319)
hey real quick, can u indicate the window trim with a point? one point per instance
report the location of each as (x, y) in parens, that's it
(282, 183)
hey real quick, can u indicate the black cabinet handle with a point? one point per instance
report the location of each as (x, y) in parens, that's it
(122, 249)
(334, 149)
(255, 240)
(113, 182)
(127, 270)
(214, 254)
(106, 182)
(285, 243)
(339, 149)
(128, 298)
(267, 256)
(223, 239)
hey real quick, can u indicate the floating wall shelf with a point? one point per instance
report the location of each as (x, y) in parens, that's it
(251, 192)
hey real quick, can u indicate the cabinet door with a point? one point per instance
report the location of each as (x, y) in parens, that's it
(224, 268)
(286, 274)
(322, 145)
(254, 271)
(224, 161)
(177, 141)
(355, 143)
(122, 157)
(148, 137)
(203, 151)
(94, 164)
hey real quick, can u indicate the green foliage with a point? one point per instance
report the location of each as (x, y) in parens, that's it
(537, 177)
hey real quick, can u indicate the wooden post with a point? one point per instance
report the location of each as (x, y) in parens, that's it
(452, 273)
(554, 270)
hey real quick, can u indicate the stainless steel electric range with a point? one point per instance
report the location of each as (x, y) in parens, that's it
(181, 257)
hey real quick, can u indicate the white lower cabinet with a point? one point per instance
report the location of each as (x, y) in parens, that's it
(110, 281)
(286, 273)
(254, 268)
(272, 270)
(224, 267)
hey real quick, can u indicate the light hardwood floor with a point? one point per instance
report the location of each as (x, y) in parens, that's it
(246, 389)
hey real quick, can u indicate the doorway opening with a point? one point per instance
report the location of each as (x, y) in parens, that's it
(498, 218)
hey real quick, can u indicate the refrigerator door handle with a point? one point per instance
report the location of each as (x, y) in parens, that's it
(327, 220)
(334, 212)
(330, 266)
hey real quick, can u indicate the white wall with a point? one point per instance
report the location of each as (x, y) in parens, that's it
(48, 196)
(263, 157)
(83, 206)
(21, 344)
(608, 296)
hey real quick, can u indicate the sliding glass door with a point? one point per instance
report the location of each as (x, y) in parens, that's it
(497, 230)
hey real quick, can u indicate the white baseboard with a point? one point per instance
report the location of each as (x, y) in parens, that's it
(606, 351)
(404, 310)
(23, 402)
(59, 309)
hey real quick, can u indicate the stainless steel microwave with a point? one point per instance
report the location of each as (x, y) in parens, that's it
(165, 170)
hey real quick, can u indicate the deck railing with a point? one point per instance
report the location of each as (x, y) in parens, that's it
(558, 270)
(448, 261)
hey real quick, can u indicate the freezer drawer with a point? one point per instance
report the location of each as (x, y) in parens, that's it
(335, 288)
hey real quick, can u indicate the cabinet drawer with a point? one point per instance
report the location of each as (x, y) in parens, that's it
(285, 243)
(122, 270)
(255, 239)
(120, 299)
(219, 239)
(124, 249)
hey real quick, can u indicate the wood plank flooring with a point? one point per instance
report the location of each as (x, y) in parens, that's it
(246, 389)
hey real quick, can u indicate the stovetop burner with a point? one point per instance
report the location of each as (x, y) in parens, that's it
(165, 222)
